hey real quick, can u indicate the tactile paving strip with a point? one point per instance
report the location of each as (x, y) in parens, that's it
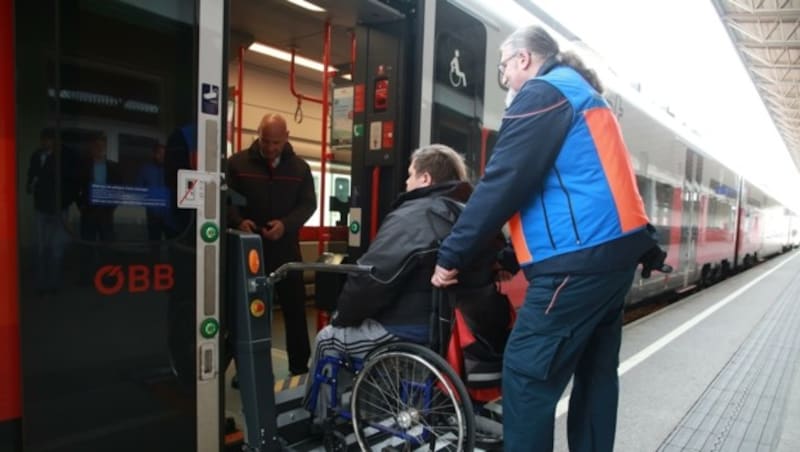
(743, 408)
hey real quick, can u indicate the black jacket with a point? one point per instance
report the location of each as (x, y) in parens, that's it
(410, 235)
(284, 193)
(43, 176)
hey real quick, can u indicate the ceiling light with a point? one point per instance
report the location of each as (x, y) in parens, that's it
(307, 5)
(287, 56)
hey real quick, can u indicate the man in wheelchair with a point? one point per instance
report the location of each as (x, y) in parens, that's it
(394, 303)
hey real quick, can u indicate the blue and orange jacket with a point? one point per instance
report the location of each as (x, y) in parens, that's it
(560, 174)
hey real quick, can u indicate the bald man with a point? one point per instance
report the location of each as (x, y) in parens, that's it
(280, 198)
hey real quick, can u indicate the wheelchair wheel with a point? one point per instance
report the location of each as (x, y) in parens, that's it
(408, 398)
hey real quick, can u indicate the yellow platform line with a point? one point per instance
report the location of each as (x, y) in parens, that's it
(292, 382)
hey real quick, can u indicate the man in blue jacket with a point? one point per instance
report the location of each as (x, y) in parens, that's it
(560, 175)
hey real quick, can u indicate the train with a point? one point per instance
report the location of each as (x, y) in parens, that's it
(92, 88)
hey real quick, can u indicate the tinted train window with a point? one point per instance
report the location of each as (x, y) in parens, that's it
(663, 207)
(107, 294)
(113, 123)
(459, 72)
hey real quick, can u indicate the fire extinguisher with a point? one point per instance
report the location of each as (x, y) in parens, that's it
(381, 97)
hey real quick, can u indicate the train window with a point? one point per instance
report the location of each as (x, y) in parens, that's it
(645, 186)
(341, 188)
(459, 76)
(337, 186)
(106, 288)
(717, 214)
(663, 207)
(110, 186)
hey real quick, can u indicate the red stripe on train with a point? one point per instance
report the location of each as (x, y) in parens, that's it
(10, 405)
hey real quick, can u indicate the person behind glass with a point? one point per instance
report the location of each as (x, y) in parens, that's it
(370, 312)
(560, 174)
(97, 217)
(50, 208)
(96, 210)
(279, 190)
(151, 176)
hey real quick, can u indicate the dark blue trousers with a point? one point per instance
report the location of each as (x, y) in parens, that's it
(569, 325)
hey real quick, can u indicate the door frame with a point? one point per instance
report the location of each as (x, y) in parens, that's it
(211, 86)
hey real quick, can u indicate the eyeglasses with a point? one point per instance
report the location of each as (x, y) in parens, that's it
(503, 63)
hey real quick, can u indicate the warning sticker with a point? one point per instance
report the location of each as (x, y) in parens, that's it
(191, 188)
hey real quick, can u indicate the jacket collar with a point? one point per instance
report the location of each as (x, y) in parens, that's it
(456, 190)
(254, 153)
(548, 66)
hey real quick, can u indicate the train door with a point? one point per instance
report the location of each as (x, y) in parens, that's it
(690, 216)
(118, 113)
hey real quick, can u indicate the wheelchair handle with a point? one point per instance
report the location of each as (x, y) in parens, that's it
(284, 269)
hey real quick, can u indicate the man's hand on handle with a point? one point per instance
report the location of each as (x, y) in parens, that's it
(443, 277)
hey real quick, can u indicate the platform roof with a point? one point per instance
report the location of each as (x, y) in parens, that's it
(766, 34)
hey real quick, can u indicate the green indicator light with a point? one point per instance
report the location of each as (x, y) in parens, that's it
(355, 227)
(209, 232)
(209, 328)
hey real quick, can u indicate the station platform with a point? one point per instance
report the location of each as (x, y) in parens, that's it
(716, 371)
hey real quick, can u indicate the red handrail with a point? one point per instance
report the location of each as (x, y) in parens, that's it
(326, 55)
(240, 100)
(324, 75)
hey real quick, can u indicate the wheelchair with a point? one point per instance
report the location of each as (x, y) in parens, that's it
(401, 396)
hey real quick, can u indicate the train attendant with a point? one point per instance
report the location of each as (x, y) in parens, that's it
(280, 195)
(560, 174)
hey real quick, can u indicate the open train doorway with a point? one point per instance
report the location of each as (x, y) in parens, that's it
(336, 71)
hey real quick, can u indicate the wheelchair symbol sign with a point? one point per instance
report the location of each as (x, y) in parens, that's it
(457, 76)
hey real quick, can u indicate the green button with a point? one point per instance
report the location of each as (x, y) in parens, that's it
(209, 328)
(355, 227)
(209, 232)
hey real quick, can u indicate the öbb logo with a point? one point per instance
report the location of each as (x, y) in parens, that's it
(111, 279)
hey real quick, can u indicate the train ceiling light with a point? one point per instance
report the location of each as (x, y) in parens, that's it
(307, 5)
(287, 56)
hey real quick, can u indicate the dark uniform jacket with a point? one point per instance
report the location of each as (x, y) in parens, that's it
(284, 193)
(406, 246)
